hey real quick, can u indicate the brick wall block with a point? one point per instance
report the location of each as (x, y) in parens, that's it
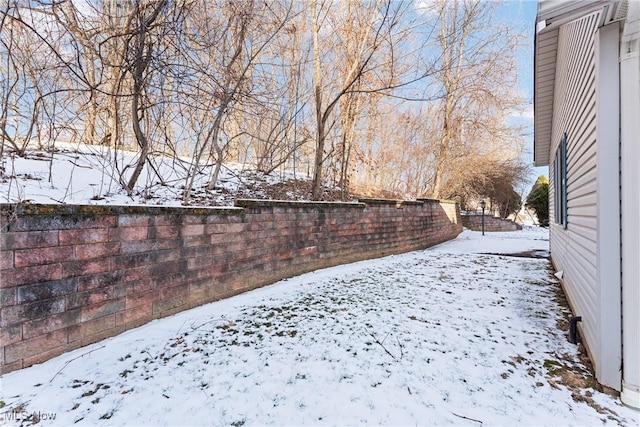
(225, 228)
(189, 248)
(91, 339)
(161, 281)
(168, 304)
(167, 268)
(8, 296)
(15, 314)
(194, 219)
(40, 256)
(29, 239)
(37, 327)
(172, 291)
(132, 315)
(28, 275)
(201, 240)
(10, 334)
(234, 245)
(197, 298)
(192, 230)
(126, 234)
(33, 346)
(60, 222)
(86, 236)
(99, 280)
(166, 220)
(83, 267)
(94, 326)
(162, 256)
(164, 231)
(9, 367)
(137, 246)
(102, 309)
(46, 290)
(96, 250)
(93, 297)
(138, 221)
(6, 260)
(141, 298)
(128, 261)
(200, 262)
(162, 244)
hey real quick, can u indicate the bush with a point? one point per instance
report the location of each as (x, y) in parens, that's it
(538, 200)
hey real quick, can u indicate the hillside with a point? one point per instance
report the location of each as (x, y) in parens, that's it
(82, 174)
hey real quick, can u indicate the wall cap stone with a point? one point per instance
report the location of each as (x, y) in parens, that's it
(23, 209)
(446, 201)
(379, 201)
(251, 203)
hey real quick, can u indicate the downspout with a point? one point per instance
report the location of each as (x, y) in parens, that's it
(630, 196)
(608, 267)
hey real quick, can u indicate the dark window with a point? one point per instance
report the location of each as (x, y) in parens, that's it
(560, 183)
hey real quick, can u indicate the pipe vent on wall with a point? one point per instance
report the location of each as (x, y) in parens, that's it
(573, 329)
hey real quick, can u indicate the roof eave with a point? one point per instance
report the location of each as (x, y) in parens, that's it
(551, 15)
(544, 85)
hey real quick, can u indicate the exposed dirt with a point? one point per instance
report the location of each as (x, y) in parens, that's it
(257, 188)
(525, 254)
(578, 378)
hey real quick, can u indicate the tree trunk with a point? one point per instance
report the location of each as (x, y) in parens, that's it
(320, 130)
(143, 143)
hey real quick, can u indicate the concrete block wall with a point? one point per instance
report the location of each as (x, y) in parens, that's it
(491, 223)
(74, 275)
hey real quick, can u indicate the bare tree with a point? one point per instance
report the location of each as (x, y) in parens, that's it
(323, 87)
(372, 30)
(84, 32)
(30, 78)
(142, 49)
(275, 118)
(222, 52)
(476, 84)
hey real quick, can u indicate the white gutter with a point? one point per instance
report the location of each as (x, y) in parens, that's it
(630, 195)
(555, 13)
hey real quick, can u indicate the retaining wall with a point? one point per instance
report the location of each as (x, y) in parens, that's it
(74, 275)
(491, 223)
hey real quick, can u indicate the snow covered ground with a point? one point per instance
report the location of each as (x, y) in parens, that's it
(445, 336)
(87, 174)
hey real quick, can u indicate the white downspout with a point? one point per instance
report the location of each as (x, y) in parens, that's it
(609, 315)
(630, 195)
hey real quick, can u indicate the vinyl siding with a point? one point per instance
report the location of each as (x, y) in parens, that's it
(587, 251)
(574, 250)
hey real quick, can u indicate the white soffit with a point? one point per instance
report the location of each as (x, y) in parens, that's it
(544, 83)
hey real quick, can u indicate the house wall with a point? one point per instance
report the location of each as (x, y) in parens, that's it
(575, 250)
(74, 275)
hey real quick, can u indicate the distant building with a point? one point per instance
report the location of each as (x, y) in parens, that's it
(587, 130)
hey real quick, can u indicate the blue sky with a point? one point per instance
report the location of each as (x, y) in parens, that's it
(522, 14)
